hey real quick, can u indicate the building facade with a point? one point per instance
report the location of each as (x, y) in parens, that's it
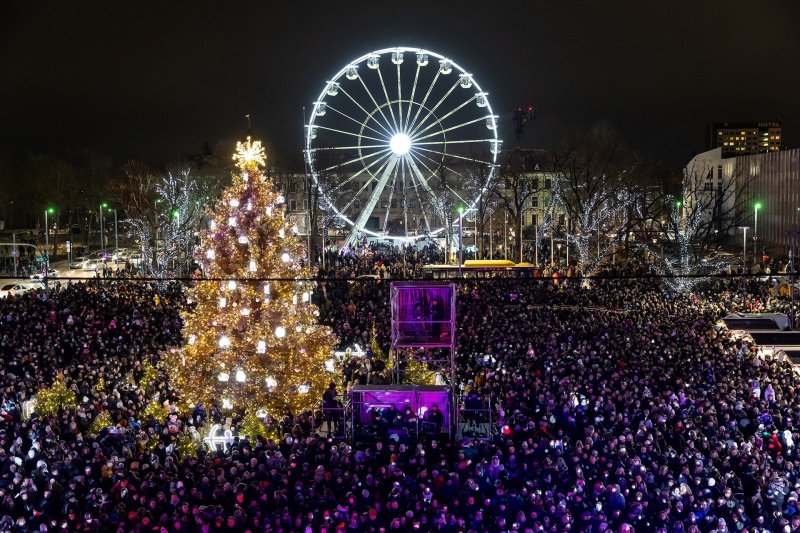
(773, 181)
(745, 138)
(760, 192)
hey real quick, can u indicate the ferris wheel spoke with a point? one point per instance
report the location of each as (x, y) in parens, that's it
(457, 173)
(415, 162)
(364, 186)
(397, 169)
(432, 111)
(388, 101)
(411, 98)
(368, 114)
(361, 124)
(364, 169)
(361, 222)
(455, 141)
(451, 128)
(424, 100)
(377, 106)
(343, 132)
(399, 101)
(421, 182)
(358, 159)
(462, 157)
(441, 119)
(353, 147)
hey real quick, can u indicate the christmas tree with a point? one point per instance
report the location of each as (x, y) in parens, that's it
(252, 342)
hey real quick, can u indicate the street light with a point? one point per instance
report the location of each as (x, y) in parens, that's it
(756, 207)
(744, 246)
(460, 245)
(102, 241)
(47, 211)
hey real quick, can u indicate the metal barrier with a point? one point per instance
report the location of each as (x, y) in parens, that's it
(475, 418)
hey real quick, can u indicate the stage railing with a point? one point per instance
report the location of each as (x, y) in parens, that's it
(475, 418)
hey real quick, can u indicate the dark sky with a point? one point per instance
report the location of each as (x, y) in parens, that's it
(154, 80)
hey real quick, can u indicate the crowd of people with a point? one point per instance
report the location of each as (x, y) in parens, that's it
(622, 406)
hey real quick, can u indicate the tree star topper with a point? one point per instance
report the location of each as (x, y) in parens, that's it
(249, 155)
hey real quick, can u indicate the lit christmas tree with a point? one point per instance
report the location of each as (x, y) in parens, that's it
(253, 342)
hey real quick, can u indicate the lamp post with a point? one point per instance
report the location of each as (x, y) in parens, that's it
(756, 207)
(559, 255)
(793, 235)
(47, 211)
(505, 237)
(744, 246)
(491, 237)
(102, 240)
(460, 235)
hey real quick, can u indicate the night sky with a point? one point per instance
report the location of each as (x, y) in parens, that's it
(155, 80)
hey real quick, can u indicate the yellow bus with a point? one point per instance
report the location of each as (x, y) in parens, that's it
(497, 268)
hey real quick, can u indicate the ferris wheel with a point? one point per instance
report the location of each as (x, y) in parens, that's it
(398, 141)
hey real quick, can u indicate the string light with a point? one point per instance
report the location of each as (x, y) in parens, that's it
(230, 318)
(223, 377)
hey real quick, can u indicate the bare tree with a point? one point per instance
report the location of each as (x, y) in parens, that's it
(593, 172)
(519, 180)
(711, 204)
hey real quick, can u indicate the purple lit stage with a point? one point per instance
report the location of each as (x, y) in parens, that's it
(369, 400)
(423, 314)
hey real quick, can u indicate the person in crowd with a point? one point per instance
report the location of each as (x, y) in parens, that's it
(622, 406)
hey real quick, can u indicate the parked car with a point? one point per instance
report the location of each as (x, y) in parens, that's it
(11, 289)
(718, 255)
(121, 255)
(77, 262)
(51, 273)
(135, 258)
(93, 261)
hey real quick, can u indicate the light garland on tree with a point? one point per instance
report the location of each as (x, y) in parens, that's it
(252, 344)
(50, 400)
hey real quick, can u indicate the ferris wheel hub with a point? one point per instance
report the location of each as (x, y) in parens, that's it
(400, 143)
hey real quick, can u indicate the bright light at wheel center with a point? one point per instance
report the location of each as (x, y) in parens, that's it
(400, 143)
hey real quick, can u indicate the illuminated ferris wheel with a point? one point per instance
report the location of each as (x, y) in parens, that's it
(398, 140)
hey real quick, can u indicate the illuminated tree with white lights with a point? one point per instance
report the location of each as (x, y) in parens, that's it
(252, 342)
